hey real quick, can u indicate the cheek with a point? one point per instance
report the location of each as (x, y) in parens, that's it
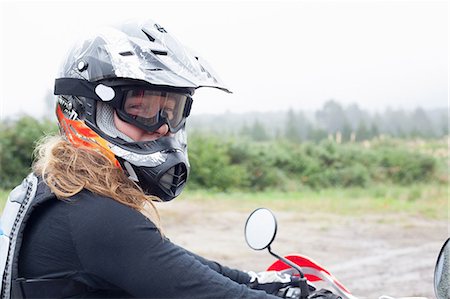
(126, 128)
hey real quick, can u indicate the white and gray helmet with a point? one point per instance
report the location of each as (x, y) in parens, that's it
(94, 81)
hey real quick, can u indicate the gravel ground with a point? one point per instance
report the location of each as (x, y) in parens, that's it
(371, 255)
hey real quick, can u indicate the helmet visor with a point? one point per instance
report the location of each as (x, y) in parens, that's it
(150, 109)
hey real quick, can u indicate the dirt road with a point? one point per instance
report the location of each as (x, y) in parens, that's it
(373, 255)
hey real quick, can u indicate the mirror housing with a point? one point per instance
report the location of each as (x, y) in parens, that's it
(260, 229)
(442, 273)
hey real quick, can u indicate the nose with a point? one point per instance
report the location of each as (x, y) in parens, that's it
(163, 130)
(160, 132)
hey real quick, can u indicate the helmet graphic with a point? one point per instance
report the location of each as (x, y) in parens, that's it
(144, 76)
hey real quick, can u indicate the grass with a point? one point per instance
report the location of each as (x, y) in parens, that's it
(426, 200)
(3, 197)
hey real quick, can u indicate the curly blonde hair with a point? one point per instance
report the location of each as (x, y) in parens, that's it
(68, 169)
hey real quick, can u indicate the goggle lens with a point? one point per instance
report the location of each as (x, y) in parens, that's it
(151, 108)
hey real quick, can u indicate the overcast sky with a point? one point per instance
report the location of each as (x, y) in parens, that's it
(273, 54)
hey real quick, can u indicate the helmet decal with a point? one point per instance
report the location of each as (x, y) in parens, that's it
(79, 134)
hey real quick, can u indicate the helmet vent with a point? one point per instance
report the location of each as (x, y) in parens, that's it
(149, 36)
(127, 53)
(174, 178)
(156, 52)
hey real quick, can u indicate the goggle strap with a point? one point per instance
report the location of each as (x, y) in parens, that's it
(75, 87)
(187, 107)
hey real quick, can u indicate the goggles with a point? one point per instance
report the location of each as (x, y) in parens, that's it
(144, 106)
(150, 109)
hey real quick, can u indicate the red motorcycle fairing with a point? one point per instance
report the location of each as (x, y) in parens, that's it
(313, 271)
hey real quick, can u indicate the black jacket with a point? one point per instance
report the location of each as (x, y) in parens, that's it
(115, 252)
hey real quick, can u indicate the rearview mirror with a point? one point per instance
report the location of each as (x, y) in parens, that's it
(260, 229)
(442, 273)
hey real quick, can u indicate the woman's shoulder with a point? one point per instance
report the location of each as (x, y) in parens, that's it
(96, 207)
(89, 207)
(88, 198)
(98, 221)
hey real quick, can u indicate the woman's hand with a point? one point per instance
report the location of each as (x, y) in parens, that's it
(270, 281)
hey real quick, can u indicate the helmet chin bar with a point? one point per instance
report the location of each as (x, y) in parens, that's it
(149, 160)
(165, 181)
(160, 167)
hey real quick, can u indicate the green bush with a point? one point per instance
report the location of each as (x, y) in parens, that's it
(17, 142)
(281, 165)
(211, 167)
(259, 164)
(224, 164)
(404, 167)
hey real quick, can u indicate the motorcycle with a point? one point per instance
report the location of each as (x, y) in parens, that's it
(260, 231)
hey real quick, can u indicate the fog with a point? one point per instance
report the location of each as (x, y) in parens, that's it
(274, 55)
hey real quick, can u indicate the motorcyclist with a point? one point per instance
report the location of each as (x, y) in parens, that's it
(92, 229)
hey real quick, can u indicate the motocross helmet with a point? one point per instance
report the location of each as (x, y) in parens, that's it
(119, 71)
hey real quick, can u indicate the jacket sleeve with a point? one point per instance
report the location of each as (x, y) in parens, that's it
(121, 246)
(233, 274)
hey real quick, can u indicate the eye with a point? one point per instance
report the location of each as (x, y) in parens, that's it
(134, 108)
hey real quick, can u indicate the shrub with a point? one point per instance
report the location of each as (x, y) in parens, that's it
(17, 142)
(223, 164)
(405, 167)
(211, 165)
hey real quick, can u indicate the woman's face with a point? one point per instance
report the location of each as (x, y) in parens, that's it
(135, 106)
(148, 105)
(137, 134)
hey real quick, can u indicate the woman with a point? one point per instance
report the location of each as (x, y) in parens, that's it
(87, 225)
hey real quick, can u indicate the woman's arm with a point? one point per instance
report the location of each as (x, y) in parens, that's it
(233, 274)
(121, 246)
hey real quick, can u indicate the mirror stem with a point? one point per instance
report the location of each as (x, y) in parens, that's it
(304, 289)
(287, 262)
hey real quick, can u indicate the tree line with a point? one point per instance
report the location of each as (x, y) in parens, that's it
(228, 163)
(333, 121)
(220, 162)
